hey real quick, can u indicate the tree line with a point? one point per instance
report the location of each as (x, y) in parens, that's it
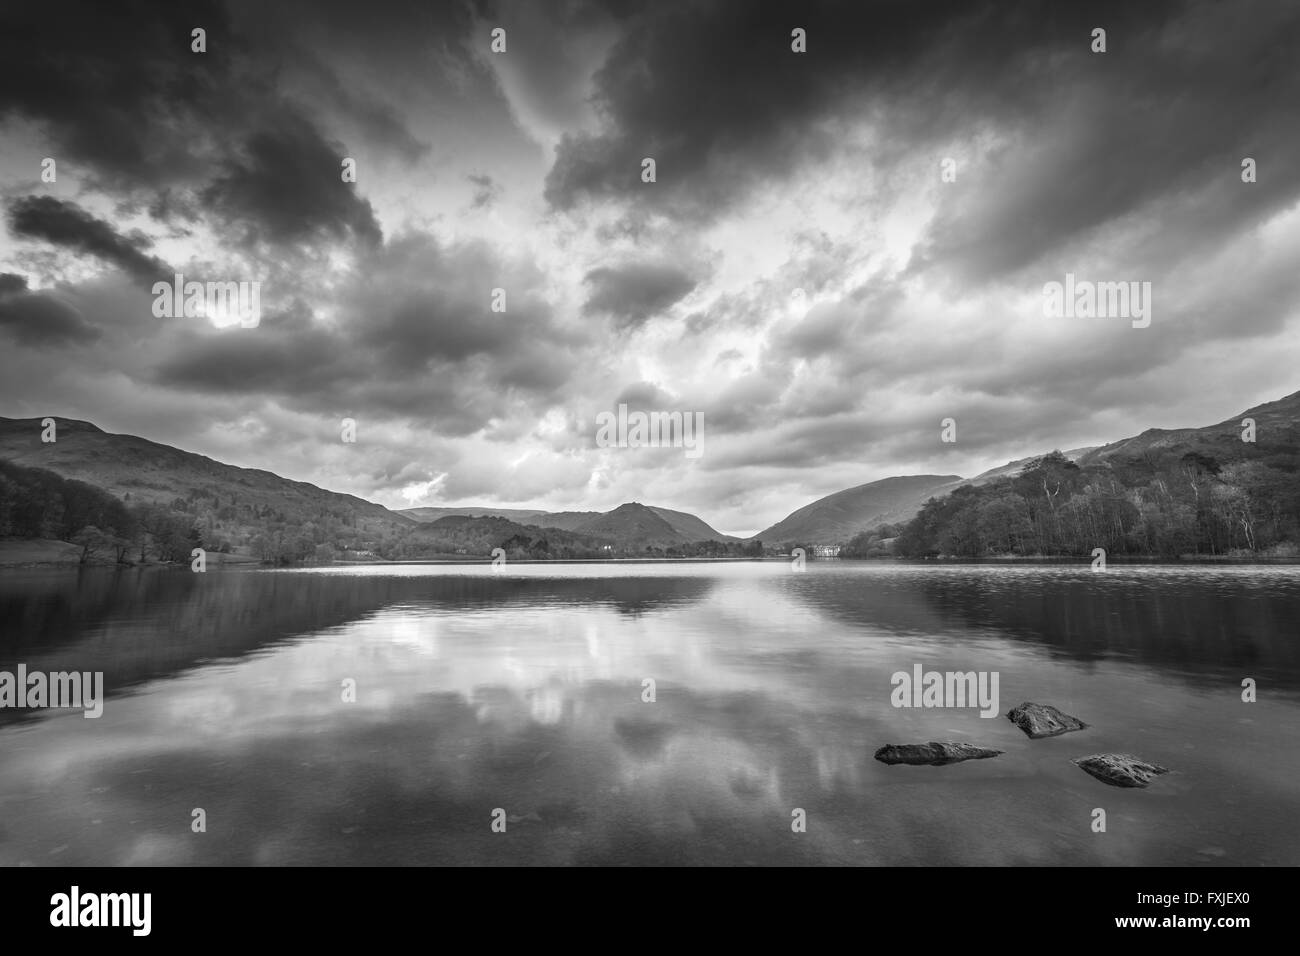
(36, 503)
(1152, 505)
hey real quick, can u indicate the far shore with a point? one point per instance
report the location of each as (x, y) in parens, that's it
(46, 553)
(38, 553)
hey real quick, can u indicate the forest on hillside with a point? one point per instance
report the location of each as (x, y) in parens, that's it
(1189, 504)
(479, 536)
(37, 503)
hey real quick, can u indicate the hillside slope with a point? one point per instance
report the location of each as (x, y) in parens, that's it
(230, 502)
(839, 516)
(433, 513)
(1208, 491)
(634, 524)
(1277, 430)
(690, 527)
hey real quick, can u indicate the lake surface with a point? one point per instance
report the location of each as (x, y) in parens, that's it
(523, 692)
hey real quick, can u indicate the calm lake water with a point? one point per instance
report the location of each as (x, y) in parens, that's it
(523, 691)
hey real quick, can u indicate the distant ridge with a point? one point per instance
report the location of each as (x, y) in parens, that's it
(235, 503)
(841, 515)
(622, 523)
(1013, 467)
(150, 472)
(521, 515)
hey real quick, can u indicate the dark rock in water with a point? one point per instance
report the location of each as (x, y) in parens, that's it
(1120, 770)
(1043, 720)
(933, 754)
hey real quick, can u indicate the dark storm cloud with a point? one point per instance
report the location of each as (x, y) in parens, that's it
(401, 35)
(288, 186)
(1157, 126)
(634, 293)
(132, 108)
(68, 225)
(169, 206)
(39, 319)
(423, 302)
(272, 361)
(118, 88)
(416, 337)
(715, 95)
(379, 125)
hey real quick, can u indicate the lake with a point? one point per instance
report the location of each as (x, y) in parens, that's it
(518, 696)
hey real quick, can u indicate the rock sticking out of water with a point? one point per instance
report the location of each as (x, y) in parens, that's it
(1043, 720)
(933, 754)
(1120, 770)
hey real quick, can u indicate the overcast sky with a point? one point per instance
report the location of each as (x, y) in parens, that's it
(776, 171)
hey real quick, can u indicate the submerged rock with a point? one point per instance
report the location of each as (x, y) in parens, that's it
(1043, 720)
(1120, 770)
(933, 754)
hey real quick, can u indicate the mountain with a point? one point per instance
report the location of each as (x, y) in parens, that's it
(687, 527)
(568, 520)
(634, 524)
(471, 511)
(629, 531)
(1277, 427)
(1164, 491)
(625, 521)
(691, 527)
(1213, 491)
(241, 510)
(1014, 467)
(233, 504)
(840, 516)
(478, 536)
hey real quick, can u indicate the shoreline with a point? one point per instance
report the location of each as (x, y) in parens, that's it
(252, 564)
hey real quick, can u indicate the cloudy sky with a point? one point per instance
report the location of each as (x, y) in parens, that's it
(800, 271)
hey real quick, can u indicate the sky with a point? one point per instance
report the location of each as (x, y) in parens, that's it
(841, 247)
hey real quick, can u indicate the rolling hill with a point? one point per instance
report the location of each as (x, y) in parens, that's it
(433, 513)
(144, 472)
(691, 527)
(837, 517)
(622, 523)
(1237, 494)
(1209, 492)
(634, 524)
(478, 535)
(1277, 427)
(568, 520)
(841, 515)
(246, 509)
(1014, 467)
